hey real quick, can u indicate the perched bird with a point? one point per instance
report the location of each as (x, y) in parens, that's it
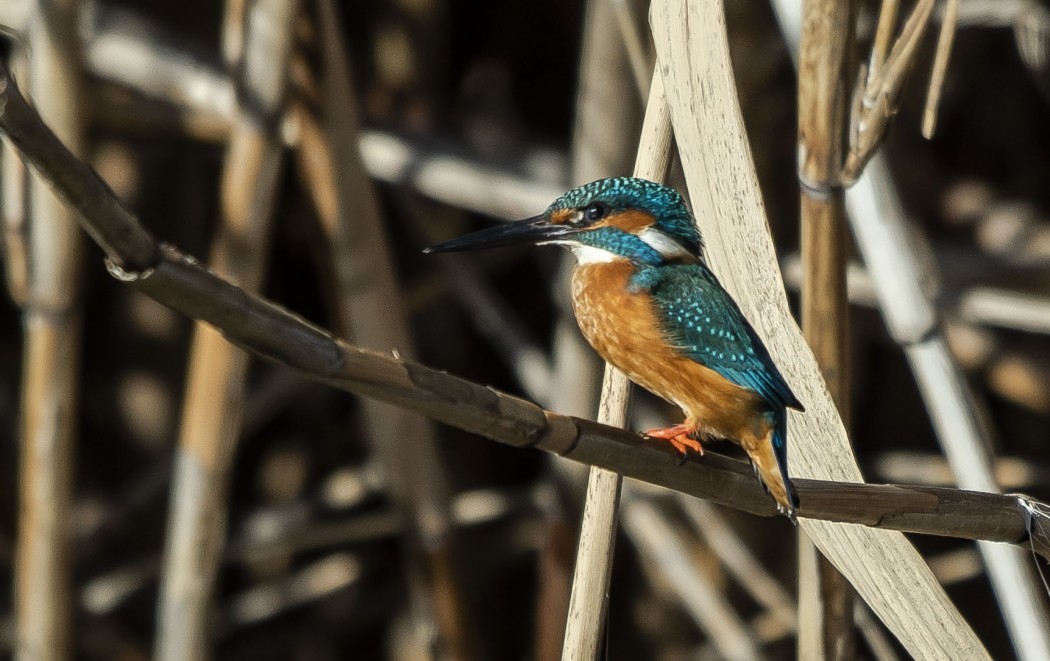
(647, 302)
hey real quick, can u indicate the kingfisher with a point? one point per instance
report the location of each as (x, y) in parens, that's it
(647, 302)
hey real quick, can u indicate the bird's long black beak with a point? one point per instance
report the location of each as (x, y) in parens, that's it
(531, 230)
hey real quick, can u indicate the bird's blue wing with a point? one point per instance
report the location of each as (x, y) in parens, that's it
(700, 318)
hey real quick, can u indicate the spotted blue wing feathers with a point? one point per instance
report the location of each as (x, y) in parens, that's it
(701, 319)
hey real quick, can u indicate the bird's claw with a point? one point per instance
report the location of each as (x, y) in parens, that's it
(680, 437)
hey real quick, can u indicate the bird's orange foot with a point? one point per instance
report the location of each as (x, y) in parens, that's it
(680, 436)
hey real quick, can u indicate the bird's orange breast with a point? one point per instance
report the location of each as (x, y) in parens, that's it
(623, 328)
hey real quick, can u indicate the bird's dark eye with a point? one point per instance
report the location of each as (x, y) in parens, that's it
(595, 211)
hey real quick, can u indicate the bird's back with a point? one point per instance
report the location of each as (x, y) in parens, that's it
(703, 321)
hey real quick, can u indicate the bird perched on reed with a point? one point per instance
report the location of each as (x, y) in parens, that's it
(647, 302)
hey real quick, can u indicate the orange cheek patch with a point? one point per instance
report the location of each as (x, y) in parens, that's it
(632, 221)
(562, 216)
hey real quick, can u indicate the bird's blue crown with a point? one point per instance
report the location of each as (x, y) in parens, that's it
(663, 203)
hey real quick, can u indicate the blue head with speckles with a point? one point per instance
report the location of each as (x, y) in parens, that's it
(640, 207)
(621, 217)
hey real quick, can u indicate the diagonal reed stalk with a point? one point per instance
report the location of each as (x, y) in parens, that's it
(692, 49)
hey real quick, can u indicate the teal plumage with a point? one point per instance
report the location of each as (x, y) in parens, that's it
(703, 322)
(621, 243)
(663, 203)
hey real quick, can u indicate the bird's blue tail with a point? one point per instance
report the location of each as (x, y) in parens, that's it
(780, 452)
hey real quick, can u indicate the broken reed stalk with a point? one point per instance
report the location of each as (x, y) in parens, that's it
(52, 332)
(215, 385)
(369, 311)
(13, 179)
(268, 330)
(825, 597)
(880, 47)
(940, 67)
(877, 93)
(590, 585)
